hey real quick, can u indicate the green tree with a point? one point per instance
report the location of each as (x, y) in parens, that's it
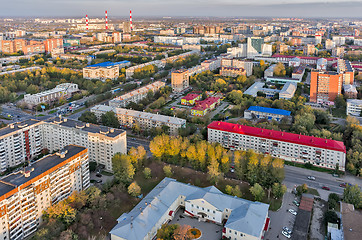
(353, 195)
(258, 192)
(123, 169)
(110, 119)
(339, 102)
(166, 232)
(167, 170)
(88, 117)
(278, 190)
(147, 173)
(331, 216)
(134, 190)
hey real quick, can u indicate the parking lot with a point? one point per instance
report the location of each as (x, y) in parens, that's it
(282, 218)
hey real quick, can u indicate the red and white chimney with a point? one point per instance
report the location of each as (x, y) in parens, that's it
(86, 21)
(106, 19)
(130, 19)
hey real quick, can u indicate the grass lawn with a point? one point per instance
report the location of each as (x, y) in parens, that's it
(107, 173)
(314, 168)
(275, 204)
(52, 111)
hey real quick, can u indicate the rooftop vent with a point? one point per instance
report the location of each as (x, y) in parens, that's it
(61, 154)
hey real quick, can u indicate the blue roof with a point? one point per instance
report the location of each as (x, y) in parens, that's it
(108, 64)
(270, 110)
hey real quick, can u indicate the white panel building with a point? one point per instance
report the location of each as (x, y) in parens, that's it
(354, 107)
(325, 153)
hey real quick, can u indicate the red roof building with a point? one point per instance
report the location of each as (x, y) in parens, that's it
(288, 146)
(202, 107)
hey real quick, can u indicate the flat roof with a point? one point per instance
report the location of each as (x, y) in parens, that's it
(301, 225)
(279, 136)
(108, 64)
(270, 110)
(44, 164)
(17, 126)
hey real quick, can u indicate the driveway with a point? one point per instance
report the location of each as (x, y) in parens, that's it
(281, 218)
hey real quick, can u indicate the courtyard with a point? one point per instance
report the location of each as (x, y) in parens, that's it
(209, 231)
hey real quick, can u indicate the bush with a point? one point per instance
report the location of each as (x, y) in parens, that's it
(167, 170)
(308, 165)
(147, 173)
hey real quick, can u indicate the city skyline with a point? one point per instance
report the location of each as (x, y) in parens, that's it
(202, 8)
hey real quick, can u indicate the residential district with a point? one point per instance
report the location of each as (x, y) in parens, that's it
(179, 128)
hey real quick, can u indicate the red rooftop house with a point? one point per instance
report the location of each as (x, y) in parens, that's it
(325, 153)
(190, 99)
(203, 107)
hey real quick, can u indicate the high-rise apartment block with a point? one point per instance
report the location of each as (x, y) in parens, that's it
(309, 49)
(53, 43)
(20, 142)
(29, 192)
(325, 86)
(292, 147)
(179, 80)
(237, 63)
(254, 47)
(345, 68)
(30, 47)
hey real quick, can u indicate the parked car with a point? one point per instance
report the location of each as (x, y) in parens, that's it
(99, 181)
(285, 229)
(311, 178)
(335, 175)
(296, 203)
(345, 185)
(326, 188)
(99, 175)
(285, 234)
(292, 212)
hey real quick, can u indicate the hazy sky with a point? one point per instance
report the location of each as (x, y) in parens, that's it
(222, 8)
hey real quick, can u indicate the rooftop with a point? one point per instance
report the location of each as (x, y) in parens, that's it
(190, 96)
(279, 136)
(270, 110)
(14, 180)
(17, 126)
(351, 220)
(108, 64)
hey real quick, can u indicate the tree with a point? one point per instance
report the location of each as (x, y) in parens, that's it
(213, 172)
(167, 170)
(302, 189)
(88, 117)
(62, 211)
(339, 102)
(183, 233)
(122, 167)
(147, 173)
(331, 216)
(110, 119)
(166, 232)
(134, 190)
(278, 190)
(353, 195)
(279, 70)
(258, 192)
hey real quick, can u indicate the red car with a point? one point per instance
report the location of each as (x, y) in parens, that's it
(326, 188)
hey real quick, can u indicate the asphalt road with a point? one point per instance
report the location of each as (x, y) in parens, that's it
(135, 142)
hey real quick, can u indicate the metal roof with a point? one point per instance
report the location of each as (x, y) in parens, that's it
(108, 64)
(269, 110)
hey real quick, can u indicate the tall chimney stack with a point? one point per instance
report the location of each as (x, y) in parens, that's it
(106, 20)
(86, 21)
(130, 19)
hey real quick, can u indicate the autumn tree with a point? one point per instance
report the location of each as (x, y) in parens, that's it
(353, 195)
(278, 190)
(147, 173)
(279, 70)
(122, 167)
(167, 170)
(134, 189)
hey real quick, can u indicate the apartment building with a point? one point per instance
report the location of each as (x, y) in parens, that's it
(242, 219)
(30, 47)
(350, 91)
(180, 80)
(102, 73)
(201, 108)
(145, 120)
(29, 192)
(345, 68)
(136, 95)
(237, 63)
(354, 107)
(20, 142)
(102, 142)
(325, 86)
(53, 43)
(292, 147)
(61, 90)
(309, 49)
(190, 99)
(232, 72)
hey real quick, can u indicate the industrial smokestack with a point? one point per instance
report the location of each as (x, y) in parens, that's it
(86, 21)
(106, 19)
(130, 19)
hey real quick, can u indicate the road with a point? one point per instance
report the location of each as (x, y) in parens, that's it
(135, 142)
(297, 176)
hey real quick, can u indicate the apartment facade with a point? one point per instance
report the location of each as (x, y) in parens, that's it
(354, 107)
(102, 73)
(292, 147)
(237, 63)
(232, 72)
(61, 90)
(136, 95)
(53, 43)
(146, 121)
(102, 142)
(325, 86)
(180, 80)
(27, 193)
(345, 68)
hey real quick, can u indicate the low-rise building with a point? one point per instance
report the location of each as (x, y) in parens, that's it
(269, 72)
(351, 219)
(232, 72)
(350, 91)
(206, 204)
(298, 72)
(102, 73)
(354, 107)
(288, 91)
(190, 99)
(203, 107)
(26, 194)
(282, 80)
(325, 153)
(136, 95)
(145, 120)
(62, 90)
(266, 113)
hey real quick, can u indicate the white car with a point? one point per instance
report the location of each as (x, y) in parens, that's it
(311, 178)
(285, 229)
(286, 234)
(292, 212)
